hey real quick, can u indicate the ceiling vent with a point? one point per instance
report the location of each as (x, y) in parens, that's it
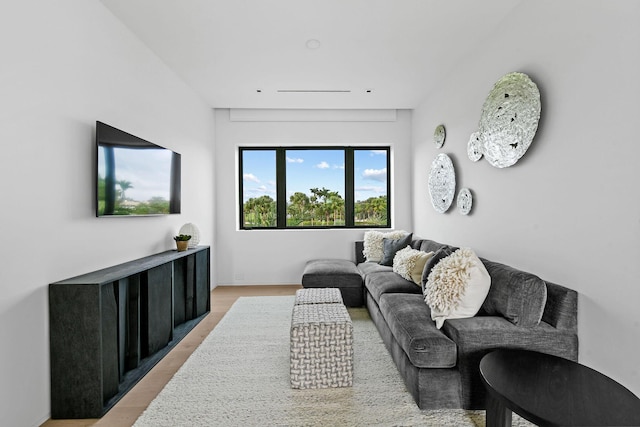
(313, 91)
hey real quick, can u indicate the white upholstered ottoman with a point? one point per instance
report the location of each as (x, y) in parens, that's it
(318, 296)
(321, 346)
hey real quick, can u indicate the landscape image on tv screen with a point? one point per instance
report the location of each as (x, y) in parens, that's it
(134, 176)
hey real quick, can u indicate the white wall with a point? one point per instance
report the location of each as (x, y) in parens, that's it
(569, 211)
(278, 256)
(66, 64)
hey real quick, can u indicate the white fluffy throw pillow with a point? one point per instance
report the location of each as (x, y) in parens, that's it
(372, 248)
(457, 286)
(410, 262)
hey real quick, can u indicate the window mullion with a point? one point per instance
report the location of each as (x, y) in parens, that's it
(281, 187)
(349, 191)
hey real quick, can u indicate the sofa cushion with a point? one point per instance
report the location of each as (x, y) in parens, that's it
(384, 282)
(457, 286)
(491, 332)
(333, 273)
(427, 245)
(518, 296)
(391, 246)
(372, 268)
(409, 320)
(416, 242)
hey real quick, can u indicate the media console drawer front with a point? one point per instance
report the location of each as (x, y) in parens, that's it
(110, 327)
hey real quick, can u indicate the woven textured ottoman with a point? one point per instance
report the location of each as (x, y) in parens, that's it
(335, 273)
(321, 346)
(318, 296)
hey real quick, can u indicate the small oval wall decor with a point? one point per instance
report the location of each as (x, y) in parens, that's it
(509, 120)
(474, 149)
(439, 136)
(464, 201)
(442, 183)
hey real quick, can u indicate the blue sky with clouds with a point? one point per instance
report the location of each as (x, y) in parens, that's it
(310, 168)
(148, 171)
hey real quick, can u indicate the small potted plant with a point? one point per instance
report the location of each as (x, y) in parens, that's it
(182, 241)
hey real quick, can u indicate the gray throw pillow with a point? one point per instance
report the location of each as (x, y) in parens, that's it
(391, 246)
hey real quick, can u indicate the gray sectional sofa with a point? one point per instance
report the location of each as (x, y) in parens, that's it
(440, 367)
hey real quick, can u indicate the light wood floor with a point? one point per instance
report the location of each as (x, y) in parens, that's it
(129, 408)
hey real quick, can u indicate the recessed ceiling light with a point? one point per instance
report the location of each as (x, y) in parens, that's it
(313, 44)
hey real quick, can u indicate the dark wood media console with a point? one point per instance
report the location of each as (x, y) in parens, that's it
(108, 328)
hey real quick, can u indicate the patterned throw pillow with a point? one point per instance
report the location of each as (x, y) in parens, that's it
(457, 286)
(409, 263)
(372, 248)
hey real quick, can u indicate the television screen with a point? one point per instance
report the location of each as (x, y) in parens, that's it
(134, 176)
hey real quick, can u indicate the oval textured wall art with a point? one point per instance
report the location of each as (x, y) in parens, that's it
(509, 120)
(474, 149)
(464, 201)
(439, 136)
(442, 183)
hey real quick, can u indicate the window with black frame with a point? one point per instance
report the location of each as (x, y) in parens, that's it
(314, 187)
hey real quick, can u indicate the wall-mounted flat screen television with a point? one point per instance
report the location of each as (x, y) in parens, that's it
(134, 177)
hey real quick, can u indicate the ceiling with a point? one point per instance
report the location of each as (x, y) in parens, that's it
(312, 53)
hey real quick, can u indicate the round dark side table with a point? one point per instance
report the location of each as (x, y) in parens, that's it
(552, 391)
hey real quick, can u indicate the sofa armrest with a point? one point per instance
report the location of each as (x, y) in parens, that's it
(561, 309)
(359, 246)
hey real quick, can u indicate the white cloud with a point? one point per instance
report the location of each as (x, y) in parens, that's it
(372, 189)
(338, 166)
(250, 177)
(375, 174)
(258, 191)
(292, 160)
(378, 152)
(323, 165)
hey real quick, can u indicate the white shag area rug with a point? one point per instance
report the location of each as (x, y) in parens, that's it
(239, 376)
